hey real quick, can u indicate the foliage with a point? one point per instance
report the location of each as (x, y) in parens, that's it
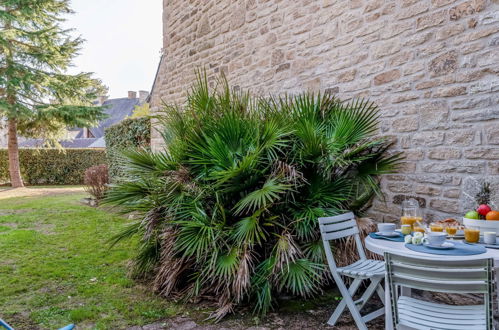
(143, 110)
(36, 51)
(38, 97)
(96, 181)
(52, 166)
(483, 196)
(129, 134)
(57, 269)
(229, 210)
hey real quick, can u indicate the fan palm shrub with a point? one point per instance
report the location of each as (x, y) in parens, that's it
(229, 209)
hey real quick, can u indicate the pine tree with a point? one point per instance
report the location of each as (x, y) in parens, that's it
(37, 97)
(483, 196)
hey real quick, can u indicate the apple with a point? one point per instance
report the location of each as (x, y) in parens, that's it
(483, 209)
(472, 215)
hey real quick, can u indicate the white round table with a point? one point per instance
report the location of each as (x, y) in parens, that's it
(380, 246)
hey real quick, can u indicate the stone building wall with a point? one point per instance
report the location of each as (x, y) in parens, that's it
(431, 65)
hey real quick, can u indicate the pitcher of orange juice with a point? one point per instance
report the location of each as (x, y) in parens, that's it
(411, 213)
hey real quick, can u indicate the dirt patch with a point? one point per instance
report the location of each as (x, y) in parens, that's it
(305, 319)
(44, 228)
(22, 322)
(12, 225)
(32, 192)
(12, 212)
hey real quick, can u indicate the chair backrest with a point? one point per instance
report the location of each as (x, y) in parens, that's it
(470, 276)
(336, 227)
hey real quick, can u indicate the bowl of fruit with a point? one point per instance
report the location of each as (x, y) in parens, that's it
(483, 217)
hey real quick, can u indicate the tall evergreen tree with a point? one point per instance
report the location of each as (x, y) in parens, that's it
(37, 97)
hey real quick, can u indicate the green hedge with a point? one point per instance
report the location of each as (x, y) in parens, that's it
(131, 133)
(52, 166)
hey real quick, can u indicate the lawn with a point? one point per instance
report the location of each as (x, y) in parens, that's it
(56, 268)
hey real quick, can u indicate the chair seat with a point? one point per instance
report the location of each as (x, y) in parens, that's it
(420, 314)
(364, 268)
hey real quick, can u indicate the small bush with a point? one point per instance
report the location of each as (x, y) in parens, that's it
(131, 133)
(52, 166)
(96, 181)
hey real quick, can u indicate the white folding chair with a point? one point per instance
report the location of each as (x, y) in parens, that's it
(343, 226)
(472, 276)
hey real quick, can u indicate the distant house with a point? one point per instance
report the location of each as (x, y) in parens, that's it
(93, 137)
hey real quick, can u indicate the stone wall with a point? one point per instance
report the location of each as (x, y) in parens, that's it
(431, 65)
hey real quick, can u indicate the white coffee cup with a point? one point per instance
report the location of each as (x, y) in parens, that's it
(386, 228)
(435, 238)
(489, 237)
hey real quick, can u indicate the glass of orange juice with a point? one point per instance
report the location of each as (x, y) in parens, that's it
(436, 227)
(471, 235)
(407, 220)
(419, 229)
(411, 213)
(451, 230)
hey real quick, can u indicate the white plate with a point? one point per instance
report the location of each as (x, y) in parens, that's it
(445, 246)
(456, 236)
(394, 234)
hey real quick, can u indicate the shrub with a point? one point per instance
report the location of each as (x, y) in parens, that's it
(129, 134)
(229, 210)
(96, 181)
(52, 166)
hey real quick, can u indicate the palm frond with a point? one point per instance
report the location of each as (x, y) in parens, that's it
(301, 277)
(261, 198)
(249, 231)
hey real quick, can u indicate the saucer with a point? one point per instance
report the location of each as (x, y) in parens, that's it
(392, 234)
(445, 246)
(456, 236)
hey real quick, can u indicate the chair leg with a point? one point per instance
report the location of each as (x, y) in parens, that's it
(375, 283)
(343, 303)
(381, 292)
(359, 320)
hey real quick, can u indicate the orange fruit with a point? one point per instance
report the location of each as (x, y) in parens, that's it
(492, 215)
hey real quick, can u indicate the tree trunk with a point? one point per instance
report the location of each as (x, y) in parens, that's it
(14, 169)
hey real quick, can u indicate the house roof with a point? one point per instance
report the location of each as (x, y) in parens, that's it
(117, 110)
(76, 143)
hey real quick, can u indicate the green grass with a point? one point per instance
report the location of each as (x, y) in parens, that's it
(56, 268)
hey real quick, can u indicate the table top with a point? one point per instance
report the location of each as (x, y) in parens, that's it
(380, 246)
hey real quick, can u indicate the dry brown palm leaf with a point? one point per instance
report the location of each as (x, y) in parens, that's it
(348, 246)
(151, 221)
(225, 307)
(242, 281)
(287, 251)
(289, 172)
(169, 267)
(182, 178)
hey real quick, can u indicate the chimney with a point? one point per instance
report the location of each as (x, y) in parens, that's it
(132, 94)
(143, 96)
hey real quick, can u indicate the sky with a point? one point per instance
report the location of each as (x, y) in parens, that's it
(123, 42)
